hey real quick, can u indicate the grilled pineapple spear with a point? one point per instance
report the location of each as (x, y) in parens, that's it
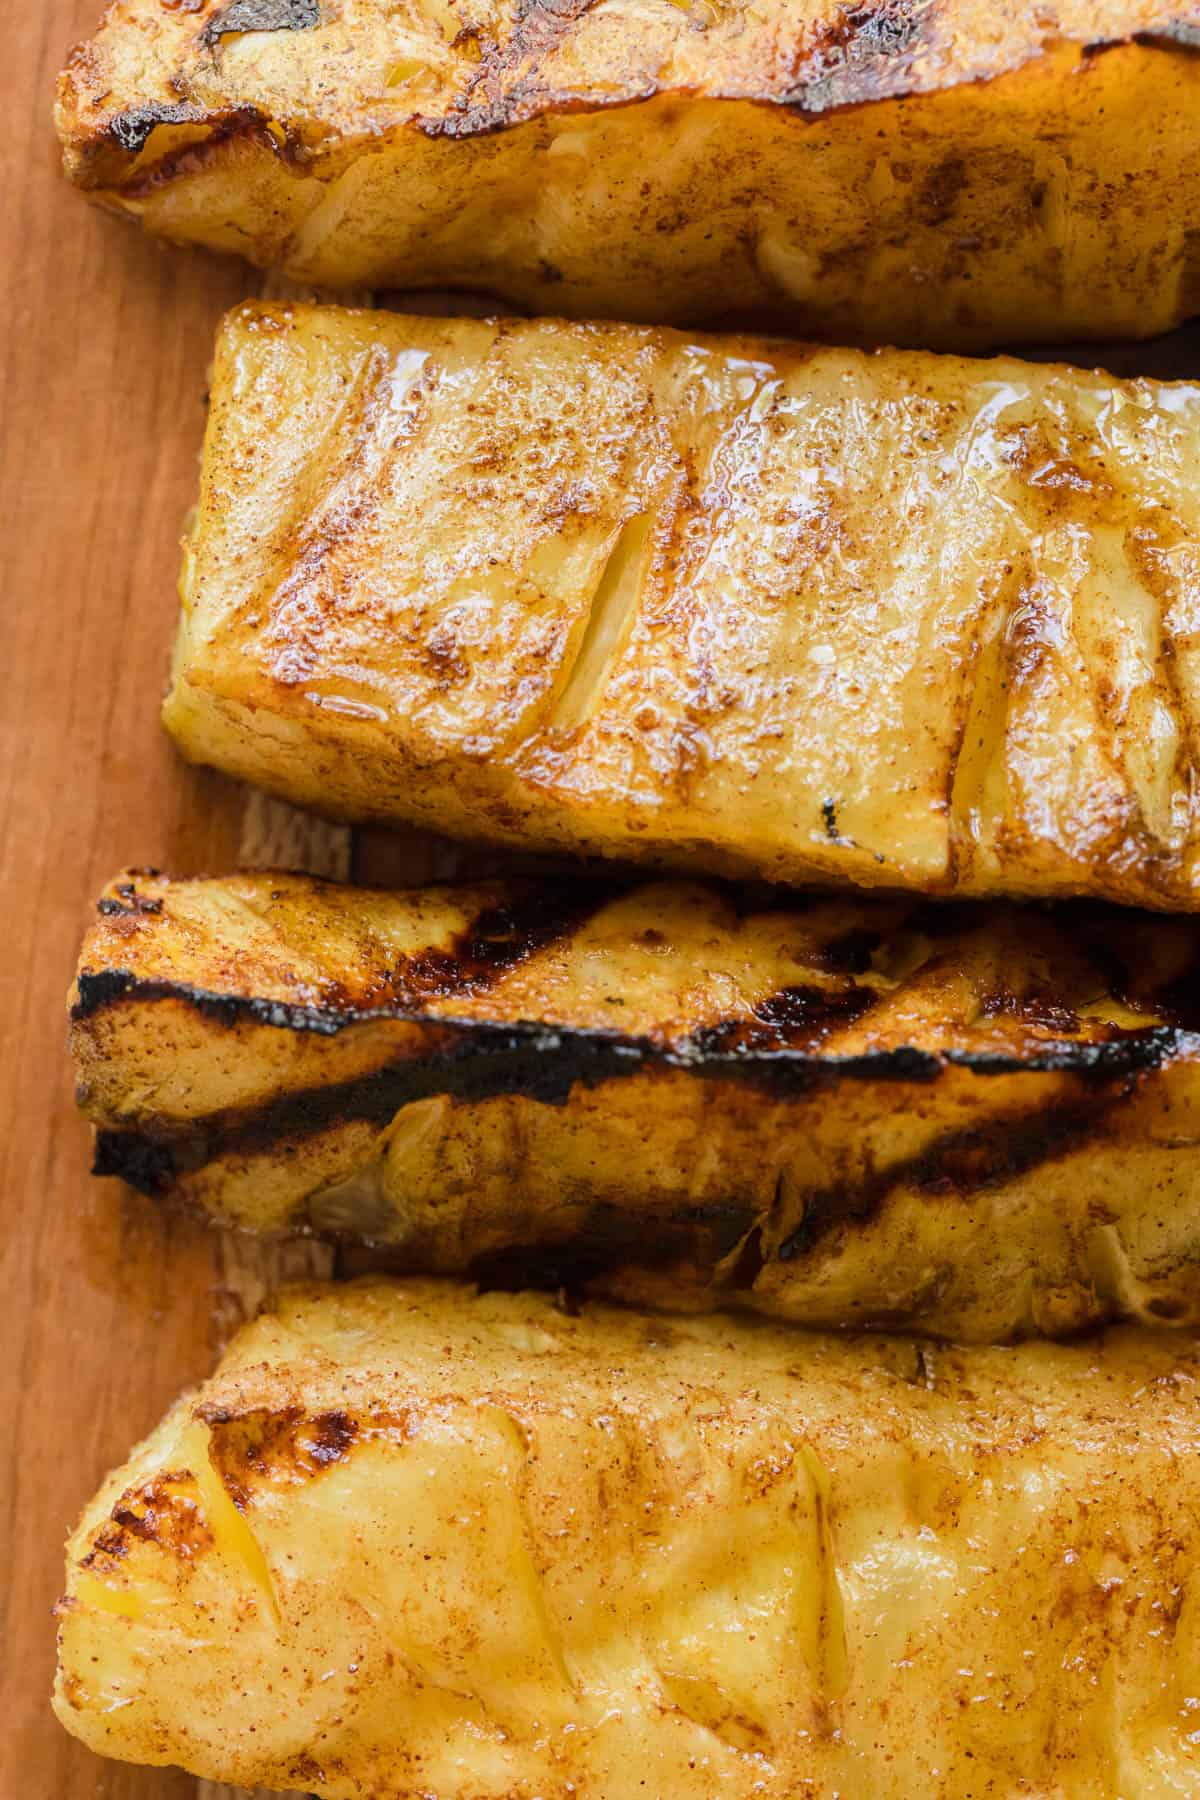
(894, 620)
(973, 1123)
(411, 1541)
(963, 174)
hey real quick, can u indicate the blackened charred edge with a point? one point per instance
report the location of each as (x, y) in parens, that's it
(792, 1018)
(866, 54)
(754, 1047)
(471, 1061)
(872, 51)
(262, 15)
(98, 991)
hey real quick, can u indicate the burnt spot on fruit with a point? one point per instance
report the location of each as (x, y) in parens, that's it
(508, 84)
(502, 937)
(130, 130)
(798, 1017)
(128, 899)
(833, 831)
(265, 1448)
(136, 1159)
(133, 907)
(1040, 1010)
(165, 1511)
(261, 15)
(863, 52)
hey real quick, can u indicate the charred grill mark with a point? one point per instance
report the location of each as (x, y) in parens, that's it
(165, 1511)
(107, 987)
(507, 86)
(865, 52)
(793, 1018)
(963, 1162)
(500, 938)
(261, 15)
(1035, 1008)
(1124, 1052)
(467, 1062)
(473, 1061)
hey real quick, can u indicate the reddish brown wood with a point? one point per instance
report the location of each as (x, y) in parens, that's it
(108, 1308)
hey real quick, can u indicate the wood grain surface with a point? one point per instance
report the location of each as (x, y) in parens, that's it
(109, 1306)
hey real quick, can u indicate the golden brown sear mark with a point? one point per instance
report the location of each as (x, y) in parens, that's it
(264, 1448)
(165, 1511)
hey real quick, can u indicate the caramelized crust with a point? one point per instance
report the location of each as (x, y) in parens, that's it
(728, 604)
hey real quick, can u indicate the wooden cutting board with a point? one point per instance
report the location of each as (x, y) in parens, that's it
(108, 1307)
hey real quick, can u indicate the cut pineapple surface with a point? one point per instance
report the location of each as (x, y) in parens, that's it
(409, 1541)
(890, 620)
